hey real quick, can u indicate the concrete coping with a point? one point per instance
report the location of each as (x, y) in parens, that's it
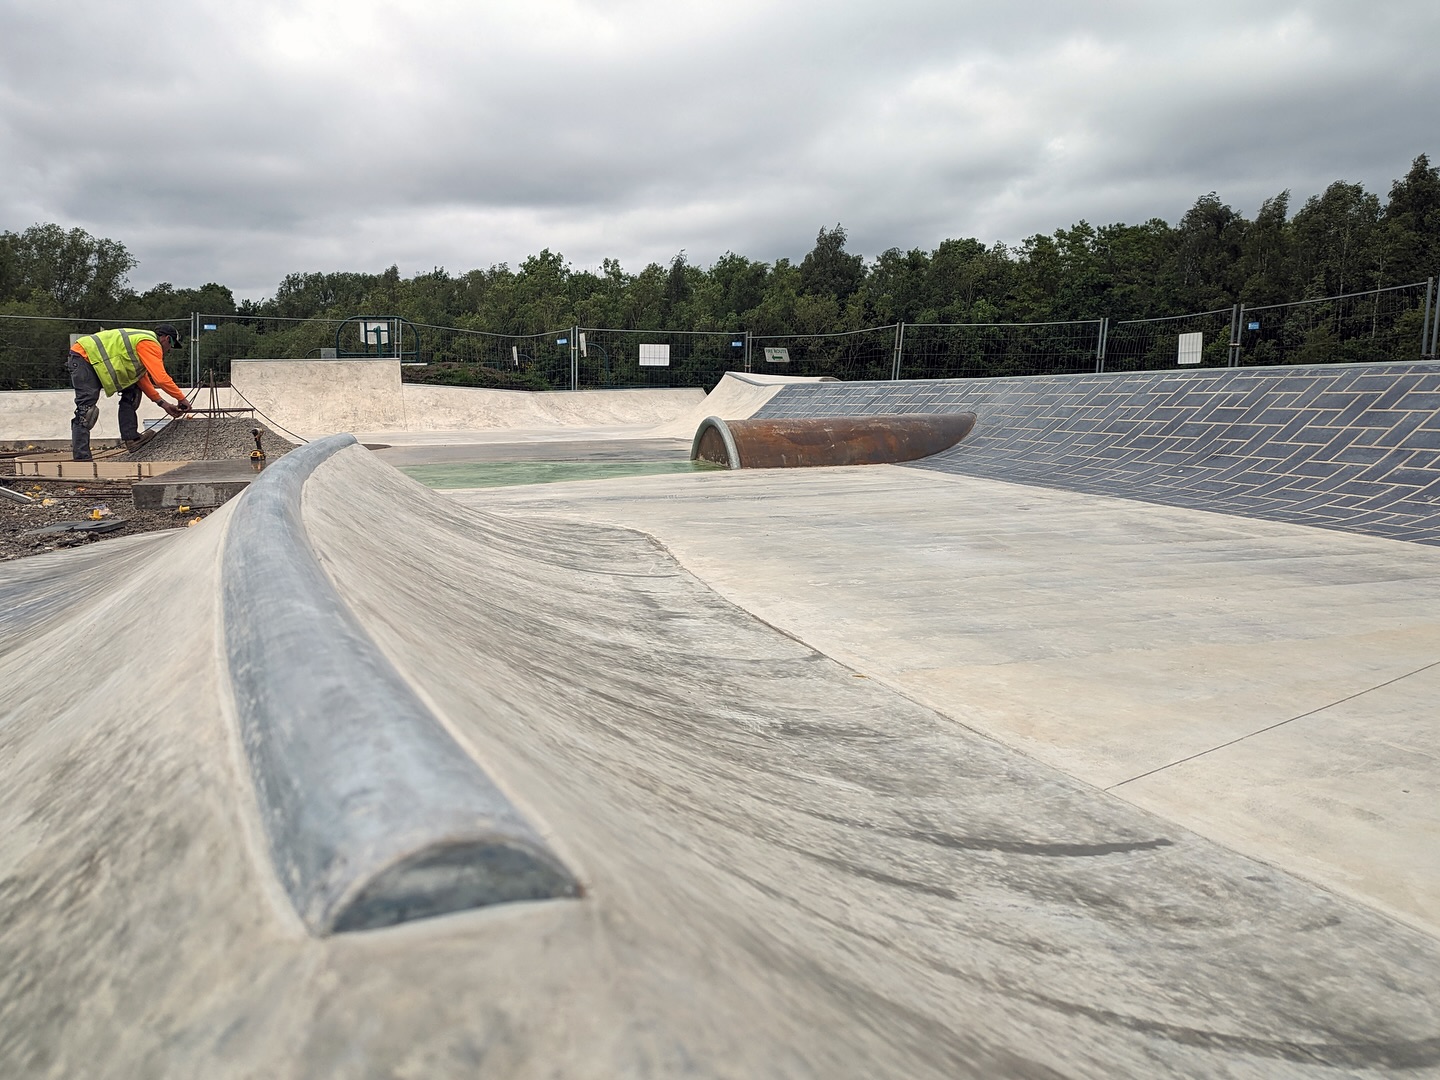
(374, 815)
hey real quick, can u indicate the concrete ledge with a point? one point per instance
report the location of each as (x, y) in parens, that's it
(373, 813)
(194, 483)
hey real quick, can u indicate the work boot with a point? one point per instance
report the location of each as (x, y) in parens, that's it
(137, 443)
(92, 415)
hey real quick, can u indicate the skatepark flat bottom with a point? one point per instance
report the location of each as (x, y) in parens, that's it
(485, 474)
(425, 453)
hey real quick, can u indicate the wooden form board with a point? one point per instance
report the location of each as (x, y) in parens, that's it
(43, 467)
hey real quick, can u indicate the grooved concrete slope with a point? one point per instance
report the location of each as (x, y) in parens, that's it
(1353, 447)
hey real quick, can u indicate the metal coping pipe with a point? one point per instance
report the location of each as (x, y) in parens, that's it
(374, 815)
(819, 441)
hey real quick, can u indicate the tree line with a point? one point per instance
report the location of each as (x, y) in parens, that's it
(1345, 239)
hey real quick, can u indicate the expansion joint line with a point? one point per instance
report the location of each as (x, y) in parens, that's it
(1272, 727)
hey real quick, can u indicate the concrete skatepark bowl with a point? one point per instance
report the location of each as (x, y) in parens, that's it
(1121, 763)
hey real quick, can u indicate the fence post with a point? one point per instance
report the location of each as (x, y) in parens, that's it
(899, 349)
(195, 349)
(1237, 316)
(1434, 327)
(747, 352)
(1101, 339)
(574, 358)
(1427, 351)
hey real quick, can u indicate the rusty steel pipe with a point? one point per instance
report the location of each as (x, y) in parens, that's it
(830, 440)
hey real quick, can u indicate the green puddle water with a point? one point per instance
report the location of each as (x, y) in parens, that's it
(476, 474)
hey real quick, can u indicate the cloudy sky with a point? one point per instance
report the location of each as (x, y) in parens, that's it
(239, 140)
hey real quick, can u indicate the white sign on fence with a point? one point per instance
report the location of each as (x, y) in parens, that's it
(654, 355)
(777, 356)
(376, 333)
(1191, 345)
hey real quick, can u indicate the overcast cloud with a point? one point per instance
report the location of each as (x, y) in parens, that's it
(238, 141)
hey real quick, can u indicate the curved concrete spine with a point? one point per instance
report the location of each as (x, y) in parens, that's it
(374, 815)
(842, 440)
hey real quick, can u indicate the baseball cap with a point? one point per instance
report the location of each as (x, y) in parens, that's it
(166, 330)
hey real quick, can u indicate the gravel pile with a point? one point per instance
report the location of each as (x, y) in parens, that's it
(209, 438)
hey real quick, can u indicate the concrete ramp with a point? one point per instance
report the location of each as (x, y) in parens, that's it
(1354, 447)
(321, 397)
(787, 869)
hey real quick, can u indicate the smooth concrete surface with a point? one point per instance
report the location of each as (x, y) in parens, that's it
(27, 415)
(790, 869)
(314, 398)
(1269, 685)
(645, 418)
(367, 397)
(550, 450)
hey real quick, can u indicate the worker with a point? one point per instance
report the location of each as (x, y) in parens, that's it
(125, 362)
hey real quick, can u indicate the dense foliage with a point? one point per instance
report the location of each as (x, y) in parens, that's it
(1343, 240)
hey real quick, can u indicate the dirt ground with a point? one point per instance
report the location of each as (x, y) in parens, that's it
(55, 501)
(193, 437)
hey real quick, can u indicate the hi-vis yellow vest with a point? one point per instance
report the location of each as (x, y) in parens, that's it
(112, 354)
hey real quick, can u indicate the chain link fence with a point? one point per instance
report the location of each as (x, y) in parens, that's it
(1401, 322)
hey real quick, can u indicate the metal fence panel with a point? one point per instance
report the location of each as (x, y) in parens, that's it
(33, 348)
(458, 357)
(613, 358)
(857, 355)
(1154, 344)
(982, 350)
(1382, 324)
(1397, 323)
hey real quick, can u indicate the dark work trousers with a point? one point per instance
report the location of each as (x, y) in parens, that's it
(87, 392)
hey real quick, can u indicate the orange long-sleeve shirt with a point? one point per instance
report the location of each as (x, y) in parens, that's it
(153, 359)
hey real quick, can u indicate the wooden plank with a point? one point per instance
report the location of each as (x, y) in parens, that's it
(65, 469)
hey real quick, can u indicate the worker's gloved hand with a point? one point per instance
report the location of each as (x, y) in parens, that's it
(181, 406)
(171, 410)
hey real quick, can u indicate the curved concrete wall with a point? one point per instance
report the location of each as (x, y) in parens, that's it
(319, 397)
(1353, 447)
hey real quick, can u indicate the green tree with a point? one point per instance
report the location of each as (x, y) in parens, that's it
(1336, 237)
(78, 273)
(829, 270)
(1411, 237)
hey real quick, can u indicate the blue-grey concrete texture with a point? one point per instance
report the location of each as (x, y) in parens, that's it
(1353, 447)
(374, 815)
